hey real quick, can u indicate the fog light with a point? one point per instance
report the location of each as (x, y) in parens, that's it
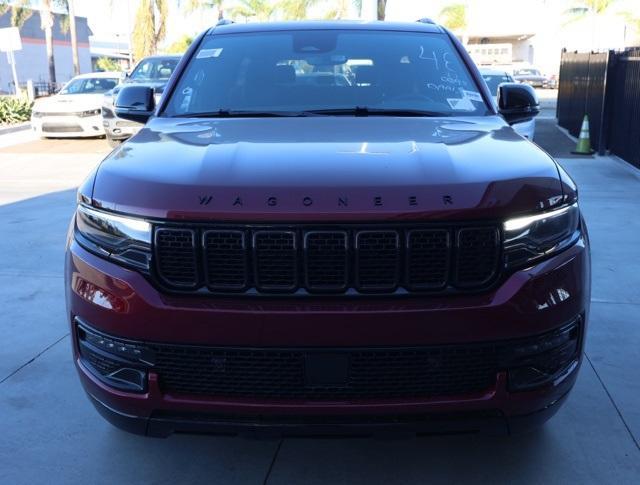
(545, 360)
(115, 362)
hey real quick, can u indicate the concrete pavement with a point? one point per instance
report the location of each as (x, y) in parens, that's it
(51, 434)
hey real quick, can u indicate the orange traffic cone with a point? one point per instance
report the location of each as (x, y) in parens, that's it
(584, 143)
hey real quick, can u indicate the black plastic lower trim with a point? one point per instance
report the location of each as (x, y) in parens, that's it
(163, 424)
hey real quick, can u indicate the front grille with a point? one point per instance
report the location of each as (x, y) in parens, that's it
(326, 260)
(377, 260)
(337, 373)
(347, 259)
(53, 128)
(176, 255)
(372, 373)
(276, 262)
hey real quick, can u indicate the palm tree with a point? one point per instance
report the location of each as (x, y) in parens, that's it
(193, 5)
(19, 13)
(46, 24)
(74, 37)
(581, 9)
(454, 17)
(340, 9)
(599, 6)
(261, 10)
(382, 9)
(358, 5)
(150, 27)
(296, 9)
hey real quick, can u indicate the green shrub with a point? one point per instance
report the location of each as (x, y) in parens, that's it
(107, 64)
(14, 110)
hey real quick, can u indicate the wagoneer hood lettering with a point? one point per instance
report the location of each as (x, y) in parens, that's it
(326, 167)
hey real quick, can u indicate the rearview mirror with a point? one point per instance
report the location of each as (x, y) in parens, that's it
(517, 102)
(135, 103)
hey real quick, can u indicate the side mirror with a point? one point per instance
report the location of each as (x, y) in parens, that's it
(517, 102)
(135, 103)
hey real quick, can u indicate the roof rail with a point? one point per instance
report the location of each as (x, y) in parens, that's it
(426, 20)
(224, 22)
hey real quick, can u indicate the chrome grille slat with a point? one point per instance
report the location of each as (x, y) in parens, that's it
(327, 259)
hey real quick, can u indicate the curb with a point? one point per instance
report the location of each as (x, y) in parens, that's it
(15, 128)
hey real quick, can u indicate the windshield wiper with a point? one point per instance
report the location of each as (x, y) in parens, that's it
(225, 113)
(365, 111)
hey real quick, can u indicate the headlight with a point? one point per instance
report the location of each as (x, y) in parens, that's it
(125, 239)
(91, 112)
(529, 238)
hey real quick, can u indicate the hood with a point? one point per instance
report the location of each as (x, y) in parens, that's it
(69, 103)
(327, 168)
(158, 86)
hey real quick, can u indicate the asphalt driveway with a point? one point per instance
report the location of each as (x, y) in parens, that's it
(49, 433)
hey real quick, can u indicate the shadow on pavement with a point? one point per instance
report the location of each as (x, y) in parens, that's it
(549, 137)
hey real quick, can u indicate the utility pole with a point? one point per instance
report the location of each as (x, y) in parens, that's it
(74, 37)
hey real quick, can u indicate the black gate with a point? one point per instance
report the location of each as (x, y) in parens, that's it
(582, 91)
(624, 115)
(605, 86)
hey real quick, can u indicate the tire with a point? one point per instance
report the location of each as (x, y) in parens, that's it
(113, 143)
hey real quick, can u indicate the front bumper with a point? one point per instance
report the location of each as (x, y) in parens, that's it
(124, 304)
(117, 128)
(70, 126)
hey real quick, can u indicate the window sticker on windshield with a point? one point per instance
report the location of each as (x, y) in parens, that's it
(463, 104)
(206, 53)
(472, 95)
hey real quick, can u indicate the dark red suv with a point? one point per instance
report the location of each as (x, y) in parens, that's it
(327, 228)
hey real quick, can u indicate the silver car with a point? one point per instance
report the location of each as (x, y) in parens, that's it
(152, 71)
(493, 78)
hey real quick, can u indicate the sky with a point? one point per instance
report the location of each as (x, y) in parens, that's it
(112, 19)
(109, 18)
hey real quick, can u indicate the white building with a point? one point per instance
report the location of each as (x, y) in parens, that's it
(32, 62)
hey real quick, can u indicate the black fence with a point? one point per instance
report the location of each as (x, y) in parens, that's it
(606, 86)
(40, 88)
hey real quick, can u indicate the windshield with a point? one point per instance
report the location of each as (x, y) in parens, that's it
(325, 71)
(89, 85)
(494, 80)
(154, 69)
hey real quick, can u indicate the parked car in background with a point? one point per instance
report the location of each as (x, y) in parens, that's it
(532, 77)
(272, 255)
(495, 77)
(153, 71)
(75, 110)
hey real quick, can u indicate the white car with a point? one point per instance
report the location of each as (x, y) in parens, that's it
(493, 78)
(76, 110)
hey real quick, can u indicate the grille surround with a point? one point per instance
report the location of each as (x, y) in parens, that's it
(348, 283)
